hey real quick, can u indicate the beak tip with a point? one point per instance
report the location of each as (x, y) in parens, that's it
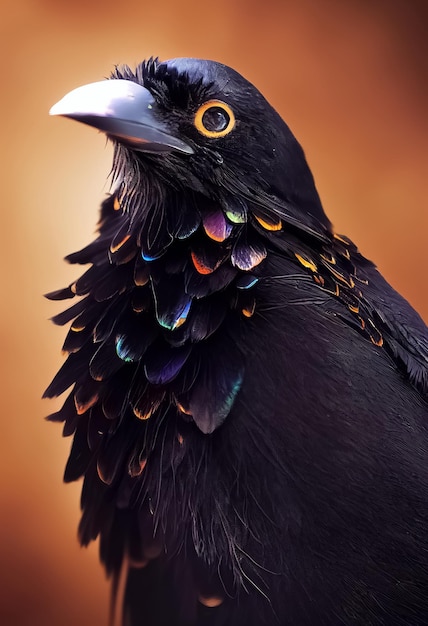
(55, 109)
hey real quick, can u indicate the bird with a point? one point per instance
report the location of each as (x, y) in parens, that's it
(247, 395)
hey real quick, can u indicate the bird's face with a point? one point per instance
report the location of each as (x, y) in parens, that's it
(198, 125)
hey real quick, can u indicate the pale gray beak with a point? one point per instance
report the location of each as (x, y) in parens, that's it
(125, 111)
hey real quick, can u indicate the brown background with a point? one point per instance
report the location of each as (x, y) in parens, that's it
(351, 80)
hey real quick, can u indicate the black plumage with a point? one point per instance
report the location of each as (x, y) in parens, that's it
(249, 395)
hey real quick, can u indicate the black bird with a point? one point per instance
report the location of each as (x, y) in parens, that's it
(249, 395)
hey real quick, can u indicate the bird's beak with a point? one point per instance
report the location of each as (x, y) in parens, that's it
(125, 111)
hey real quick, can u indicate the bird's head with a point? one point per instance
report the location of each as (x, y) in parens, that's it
(200, 125)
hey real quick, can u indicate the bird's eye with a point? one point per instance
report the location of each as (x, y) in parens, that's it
(214, 119)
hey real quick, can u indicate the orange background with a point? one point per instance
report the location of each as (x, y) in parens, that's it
(350, 78)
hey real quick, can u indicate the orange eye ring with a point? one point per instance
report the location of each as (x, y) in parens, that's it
(225, 119)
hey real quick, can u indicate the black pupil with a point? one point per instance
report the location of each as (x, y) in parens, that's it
(215, 119)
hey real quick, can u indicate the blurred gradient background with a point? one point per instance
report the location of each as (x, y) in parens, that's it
(350, 78)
